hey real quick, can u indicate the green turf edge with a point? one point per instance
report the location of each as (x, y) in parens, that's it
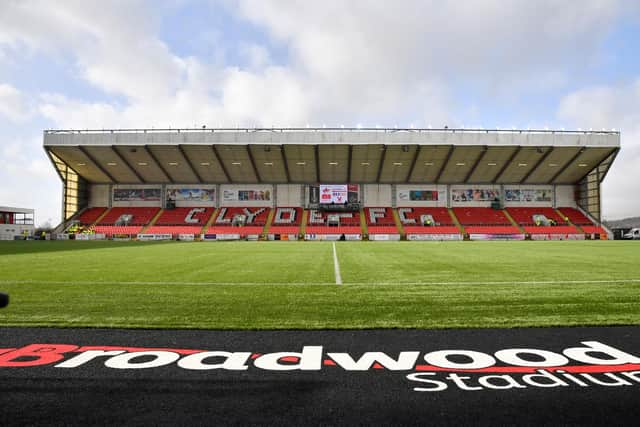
(301, 307)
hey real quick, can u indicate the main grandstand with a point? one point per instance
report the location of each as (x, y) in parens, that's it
(330, 184)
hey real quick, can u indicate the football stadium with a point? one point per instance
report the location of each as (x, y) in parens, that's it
(322, 276)
(336, 228)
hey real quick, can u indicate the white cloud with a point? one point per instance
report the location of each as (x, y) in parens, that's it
(610, 107)
(502, 46)
(360, 61)
(12, 104)
(29, 180)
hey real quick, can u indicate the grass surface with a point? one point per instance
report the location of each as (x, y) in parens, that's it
(284, 285)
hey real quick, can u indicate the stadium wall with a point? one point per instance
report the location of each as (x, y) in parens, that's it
(250, 195)
(377, 195)
(133, 203)
(566, 195)
(289, 195)
(99, 195)
(405, 194)
(372, 195)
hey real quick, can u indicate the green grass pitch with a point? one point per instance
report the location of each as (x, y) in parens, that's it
(292, 285)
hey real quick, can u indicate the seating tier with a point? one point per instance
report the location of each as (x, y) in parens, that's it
(90, 215)
(323, 229)
(446, 229)
(481, 216)
(558, 229)
(319, 218)
(593, 229)
(174, 229)
(242, 231)
(141, 216)
(284, 229)
(382, 229)
(524, 216)
(287, 216)
(255, 216)
(411, 215)
(575, 216)
(379, 216)
(178, 216)
(492, 229)
(110, 230)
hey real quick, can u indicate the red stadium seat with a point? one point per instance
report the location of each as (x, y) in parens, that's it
(319, 218)
(593, 229)
(287, 216)
(110, 230)
(385, 229)
(284, 229)
(411, 216)
(333, 230)
(575, 216)
(90, 215)
(141, 216)
(174, 229)
(255, 216)
(481, 216)
(446, 229)
(524, 215)
(242, 231)
(492, 229)
(558, 229)
(379, 216)
(185, 216)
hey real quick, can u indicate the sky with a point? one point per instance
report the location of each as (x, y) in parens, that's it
(563, 64)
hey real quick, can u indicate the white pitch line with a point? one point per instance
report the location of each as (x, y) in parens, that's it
(336, 265)
(511, 282)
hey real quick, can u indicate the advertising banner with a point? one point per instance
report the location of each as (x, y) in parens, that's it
(557, 237)
(527, 195)
(282, 237)
(246, 195)
(434, 237)
(186, 237)
(155, 236)
(384, 237)
(337, 194)
(332, 237)
(191, 194)
(136, 194)
(324, 194)
(420, 195)
(496, 236)
(474, 195)
(228, 236)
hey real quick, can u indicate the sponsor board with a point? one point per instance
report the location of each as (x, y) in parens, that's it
(384, 237)
(480, 236)
(434, 237)
(332, 237)
(282, 237)
(557, 237)
(186, 237)
(584, 364)
(144, 236)
(227, 236)
(96, 236)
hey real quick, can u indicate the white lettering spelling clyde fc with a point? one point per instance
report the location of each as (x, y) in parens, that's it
(590, 364)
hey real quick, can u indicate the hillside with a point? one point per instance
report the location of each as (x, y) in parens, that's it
(632, 222)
